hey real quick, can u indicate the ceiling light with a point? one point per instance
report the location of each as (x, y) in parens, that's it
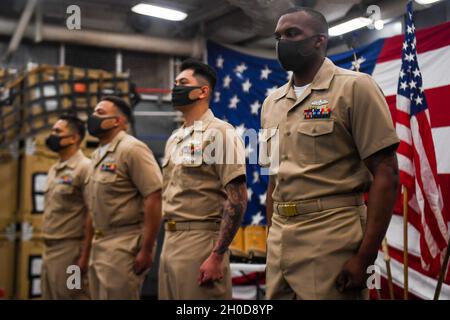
(426, 1)
(349, 26)
(159, 12)
(379, 24)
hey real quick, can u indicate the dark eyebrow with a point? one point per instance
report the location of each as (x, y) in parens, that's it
(279, 33)
(293, 28)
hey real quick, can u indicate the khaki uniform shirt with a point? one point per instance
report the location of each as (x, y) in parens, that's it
(120, 180)
(325, 134)
(64, 203)
(196, 170)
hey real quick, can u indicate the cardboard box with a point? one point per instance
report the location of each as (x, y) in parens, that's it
(7, 267)
(9, 176)
(255, 241)
(29, 264)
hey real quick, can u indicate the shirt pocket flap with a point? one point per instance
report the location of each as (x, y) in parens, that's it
(316, 128)
(105, 177)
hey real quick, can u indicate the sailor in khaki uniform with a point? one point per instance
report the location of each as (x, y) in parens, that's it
(335, 141)
(204, 193)
(67, 227)
(125, 201)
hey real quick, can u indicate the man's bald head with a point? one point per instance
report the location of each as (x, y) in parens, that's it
(315, 20)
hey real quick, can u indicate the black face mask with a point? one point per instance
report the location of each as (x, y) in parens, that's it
(295, 55)
(94, 125)
(53, 142)
(180, 95)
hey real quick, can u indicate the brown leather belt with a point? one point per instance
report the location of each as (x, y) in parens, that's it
(295, 208)
(172, 225)
(99, 233)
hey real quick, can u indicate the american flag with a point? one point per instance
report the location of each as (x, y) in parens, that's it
(416, 155)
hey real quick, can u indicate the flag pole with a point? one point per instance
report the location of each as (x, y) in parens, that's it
(442, 273)
(387, 260)
(405, 243)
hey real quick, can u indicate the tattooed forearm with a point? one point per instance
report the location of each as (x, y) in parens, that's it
(233, 212)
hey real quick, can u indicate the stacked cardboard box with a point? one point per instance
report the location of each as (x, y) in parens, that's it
(249, 244)
(8, 206)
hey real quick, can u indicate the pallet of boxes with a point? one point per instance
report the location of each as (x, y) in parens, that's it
(42, 93)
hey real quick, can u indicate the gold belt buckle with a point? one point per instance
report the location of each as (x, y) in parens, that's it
(171, 225)
(288, 209)
(98, 233)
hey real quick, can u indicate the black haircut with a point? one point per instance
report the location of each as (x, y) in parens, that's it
(121, 104)
(74, 124)
(319, 24)
(201, 69)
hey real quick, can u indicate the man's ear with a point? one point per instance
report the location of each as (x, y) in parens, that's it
(121, 121)
(206, 92)
(321, 40)
(318, 42)
(74, 138)
(77, 139)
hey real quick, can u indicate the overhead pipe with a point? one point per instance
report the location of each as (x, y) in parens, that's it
(193, 47)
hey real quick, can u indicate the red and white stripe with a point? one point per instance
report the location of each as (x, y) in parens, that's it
(416, 155)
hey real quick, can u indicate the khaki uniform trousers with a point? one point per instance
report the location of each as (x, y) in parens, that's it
(58, 256)
(306, 253)
(182, 255)
(111, 268)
